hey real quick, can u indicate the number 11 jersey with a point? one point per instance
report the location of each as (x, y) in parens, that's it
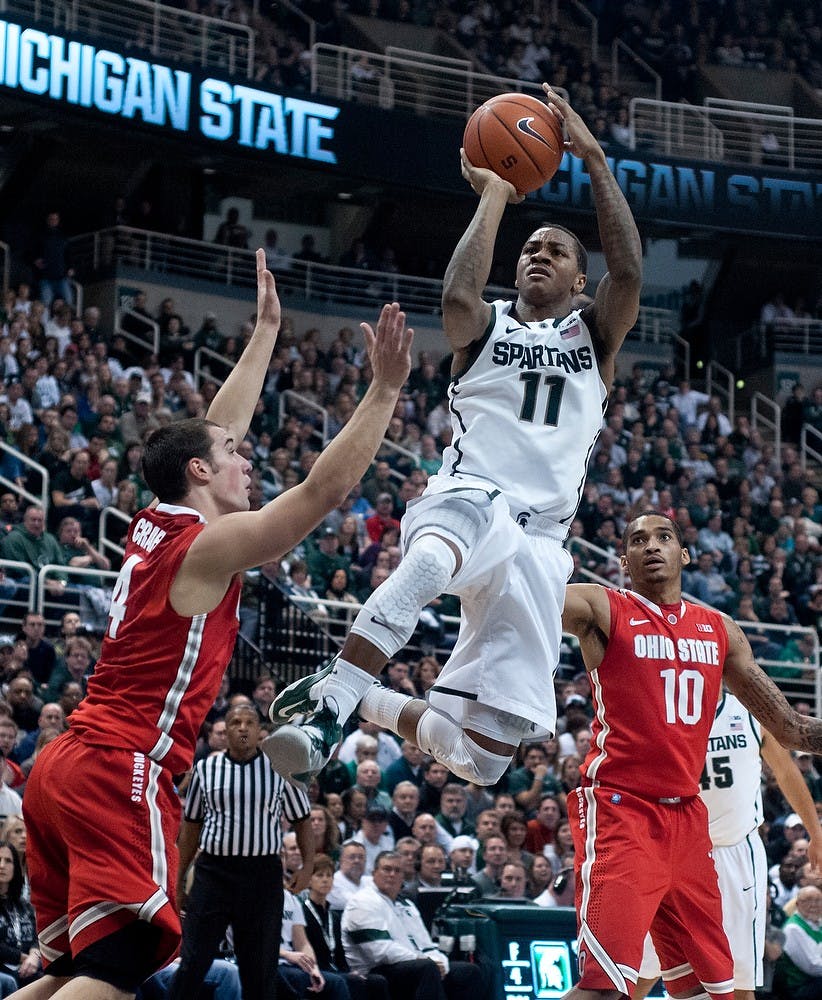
(526, 411)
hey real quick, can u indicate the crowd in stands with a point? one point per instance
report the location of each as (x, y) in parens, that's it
(80, 403)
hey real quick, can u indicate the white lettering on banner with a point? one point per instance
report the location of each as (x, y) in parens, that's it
(290, 126)
(37, 63)
(43, 65)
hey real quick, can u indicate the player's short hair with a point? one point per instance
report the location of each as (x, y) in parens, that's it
(653, 513)
(582, 253)
(167, 453)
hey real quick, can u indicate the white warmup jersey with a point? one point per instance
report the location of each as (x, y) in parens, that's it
(527, 411)
(731, 781)
(731, 789)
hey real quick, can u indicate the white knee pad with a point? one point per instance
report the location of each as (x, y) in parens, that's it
(447, 743)
(389, 616)
(456, 518)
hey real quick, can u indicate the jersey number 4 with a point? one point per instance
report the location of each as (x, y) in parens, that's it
(119, 596)
(556, 386)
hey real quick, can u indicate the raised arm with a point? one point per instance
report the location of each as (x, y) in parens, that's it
(793, 787)
(233, 406)
(464, 313)
(239, 541)
(763, 699)
(616, 303)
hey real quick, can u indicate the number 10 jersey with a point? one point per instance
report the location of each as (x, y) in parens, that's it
(527, 410)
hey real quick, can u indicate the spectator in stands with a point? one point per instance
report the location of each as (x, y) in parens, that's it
(494, 856)
(399, 946)
(408, 767)
(405, 800)
(322, 926)
(453, 808)
(350, 875)
(22, 698)
(76, 666)
(307, 254)
(530, 782)
(51, 263)
(138, 422)
(72, 495)
(231, 232)
(30, 543)
(542, 827)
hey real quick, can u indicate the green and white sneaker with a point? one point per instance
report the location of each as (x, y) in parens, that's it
(301, 697)
(300, 752)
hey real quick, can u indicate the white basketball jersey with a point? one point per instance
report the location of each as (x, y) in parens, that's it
(732, 779)
(527, 411)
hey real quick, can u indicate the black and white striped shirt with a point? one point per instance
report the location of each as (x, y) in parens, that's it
(240, 805)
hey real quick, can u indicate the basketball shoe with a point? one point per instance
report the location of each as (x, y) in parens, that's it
(302, 696)
(300, 752)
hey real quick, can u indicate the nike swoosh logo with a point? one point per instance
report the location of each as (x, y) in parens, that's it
(746, 888)
(640, 621)
(524, 125)
(513, 329)
(379, 621)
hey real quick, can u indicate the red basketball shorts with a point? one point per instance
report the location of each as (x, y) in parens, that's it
(641, 865)
(102, 825)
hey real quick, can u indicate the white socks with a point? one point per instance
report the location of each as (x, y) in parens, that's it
(383, 706)
(346, 685)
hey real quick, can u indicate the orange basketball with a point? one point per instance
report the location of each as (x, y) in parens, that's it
(516, 136)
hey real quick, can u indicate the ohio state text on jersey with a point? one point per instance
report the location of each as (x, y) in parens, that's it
(655, 696)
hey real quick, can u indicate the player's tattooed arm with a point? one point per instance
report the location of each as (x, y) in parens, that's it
(763, 699)
(465, 314)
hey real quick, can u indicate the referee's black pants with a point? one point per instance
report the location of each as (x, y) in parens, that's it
(248, 894)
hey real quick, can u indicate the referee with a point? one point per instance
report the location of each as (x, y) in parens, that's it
(232, 812)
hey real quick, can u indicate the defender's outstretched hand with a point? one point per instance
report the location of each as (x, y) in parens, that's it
(581, 141)
(389, 348)
(268, 302)
(480, 177)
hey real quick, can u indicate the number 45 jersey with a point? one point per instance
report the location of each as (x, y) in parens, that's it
(526, 411)
(655, 695)
(732, 779)
(158, 672)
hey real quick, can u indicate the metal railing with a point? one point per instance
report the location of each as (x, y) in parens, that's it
(807, 450)
(721, 382)
(767, 413)
(730, 132)
(349, 287)
(412, 81)
(15, 605)
(675, 129)
(795, 336)
(202, 369)
(623, 55)
(45, 491)
(152, 344)
(106, 545)
(148, 30)
(795, 678)
(616, 574)
(301, 403)
(592, 23)
(5, 266)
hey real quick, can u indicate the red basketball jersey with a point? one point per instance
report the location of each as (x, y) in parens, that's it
(655, 696)
(158, 672)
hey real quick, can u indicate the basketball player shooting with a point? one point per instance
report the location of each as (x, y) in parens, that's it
(529, 381)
